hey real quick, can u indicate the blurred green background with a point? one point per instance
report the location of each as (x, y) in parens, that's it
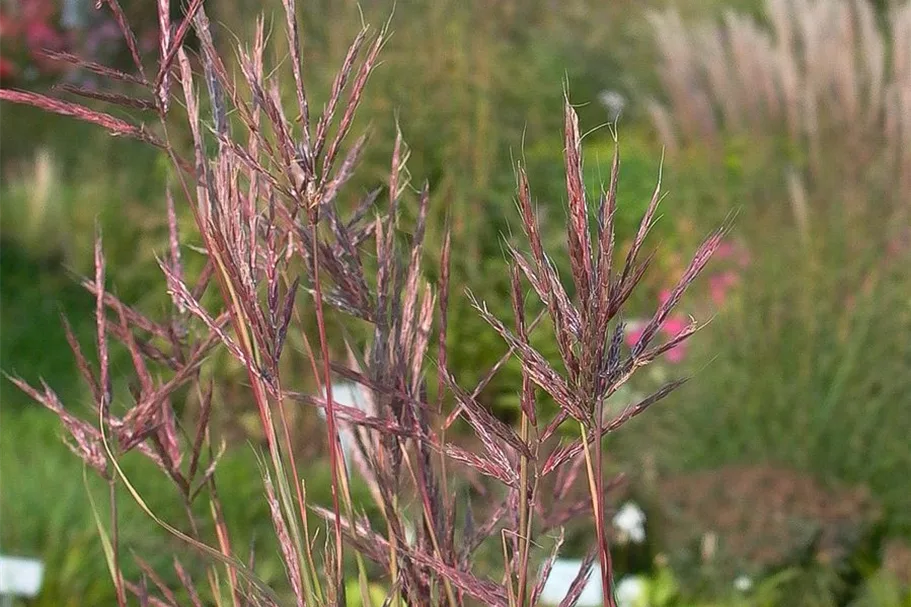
(802, 377)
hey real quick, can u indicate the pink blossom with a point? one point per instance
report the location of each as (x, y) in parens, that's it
(724, 251)
(634, 332)
(7, 68)
(39, 36)
(676, 354)
(729, 250)
(674, 326)
(719, 284)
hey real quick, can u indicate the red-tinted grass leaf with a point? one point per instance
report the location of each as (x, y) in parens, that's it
(486, 466)
(700, 259)
(101, 334)
(527, 400)
(338, 85)
(113, 98)
(141, 594)
(354, 100)
(179, 291)
(156, 579)
(485, 424)
(205, 410)
(294, 44)
(114, 125)
(563, 454)
(581, 579)
(579, 239)
(174, 46)
(287, 547)
(487, 592)
(81, 363)
(87, 438)
(287, 310)
(142, 372)
(187, 583)
(134, 317)
(539, 369)
(606, 237)
(546, 568)
(128, 34)
(95, 68)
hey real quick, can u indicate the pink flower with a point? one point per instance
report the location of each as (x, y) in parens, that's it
(676, 354)
(634, 332)
(729, 250)
(39, 36)
(7, 69)
(725, 250)
(674, 326)
(719, 284)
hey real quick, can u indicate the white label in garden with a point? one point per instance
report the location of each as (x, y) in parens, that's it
(349, 395)
(20, 576)
(561, 577)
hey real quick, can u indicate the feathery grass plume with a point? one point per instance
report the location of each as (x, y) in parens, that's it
(266, 192)
(826, 73)
(593, 366)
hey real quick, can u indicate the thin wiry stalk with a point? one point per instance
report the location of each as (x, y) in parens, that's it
(527, 475)
(594, 487)
(331, 428)
(115, 543)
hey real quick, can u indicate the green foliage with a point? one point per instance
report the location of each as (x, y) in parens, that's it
(54, 194)
(33, 342)
(353, 594)
(882, 590)
(806, 366)
(47, 515)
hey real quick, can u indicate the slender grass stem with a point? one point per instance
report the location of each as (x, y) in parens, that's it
(597, 513)
(331, 428)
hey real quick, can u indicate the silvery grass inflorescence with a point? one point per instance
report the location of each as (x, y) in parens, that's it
(829, 74)
(265, 188)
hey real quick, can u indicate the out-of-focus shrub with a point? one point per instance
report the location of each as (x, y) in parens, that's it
(808, 369)
(752, 519)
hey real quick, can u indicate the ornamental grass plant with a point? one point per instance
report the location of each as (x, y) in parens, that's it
(267, 184)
